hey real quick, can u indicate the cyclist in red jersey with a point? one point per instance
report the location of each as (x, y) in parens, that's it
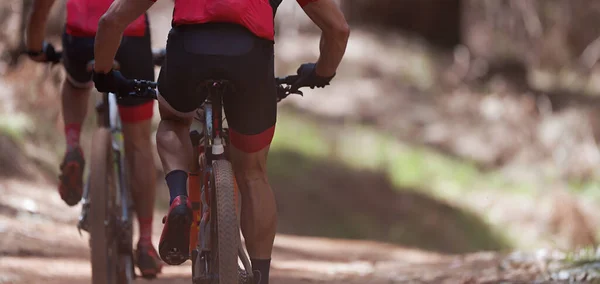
(231, 40)
(135, 58)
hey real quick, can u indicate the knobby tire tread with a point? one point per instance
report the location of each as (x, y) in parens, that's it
(227, 223)
(100, 168)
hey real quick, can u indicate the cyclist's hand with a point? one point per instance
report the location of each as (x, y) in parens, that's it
(307, 77)
(47, 54)
(113, 82)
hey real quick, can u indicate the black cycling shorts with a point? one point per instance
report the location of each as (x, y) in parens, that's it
(220, 51)
(135, 60)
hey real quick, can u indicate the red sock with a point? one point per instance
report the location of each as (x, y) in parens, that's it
(145, 230)
(72, 133)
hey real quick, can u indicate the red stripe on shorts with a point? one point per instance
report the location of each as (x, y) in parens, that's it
(133, 114)
(305, 2)
(251, 143)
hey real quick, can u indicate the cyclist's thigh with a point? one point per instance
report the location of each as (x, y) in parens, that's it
(77, 52)
(251, 110)
(135, 59)
(182, 74)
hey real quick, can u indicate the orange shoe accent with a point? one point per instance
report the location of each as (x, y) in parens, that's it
(194, 196)
(236, 197)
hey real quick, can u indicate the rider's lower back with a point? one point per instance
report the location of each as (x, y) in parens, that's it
(221, 51)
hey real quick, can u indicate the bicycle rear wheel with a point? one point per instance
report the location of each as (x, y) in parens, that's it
(228, 233)
(102, 191)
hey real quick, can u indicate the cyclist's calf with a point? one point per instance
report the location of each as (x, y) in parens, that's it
(259, 212)
(138, 151)
(173, 141)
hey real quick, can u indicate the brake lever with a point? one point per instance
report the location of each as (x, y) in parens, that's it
(297, 92)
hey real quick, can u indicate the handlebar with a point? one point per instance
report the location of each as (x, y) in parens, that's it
(284, 91)
(147, 89)
(143, 89)
(55, 59)
(288, 80)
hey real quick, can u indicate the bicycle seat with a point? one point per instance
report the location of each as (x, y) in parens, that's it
(217, 83)
(90, 65)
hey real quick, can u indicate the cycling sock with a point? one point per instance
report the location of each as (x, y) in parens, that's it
(177, 183)
(260, 268)
(72, 133)
(145, 230)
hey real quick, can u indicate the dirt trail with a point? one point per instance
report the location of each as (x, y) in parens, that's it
(40, 244)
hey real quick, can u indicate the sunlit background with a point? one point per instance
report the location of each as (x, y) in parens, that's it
(453, 127)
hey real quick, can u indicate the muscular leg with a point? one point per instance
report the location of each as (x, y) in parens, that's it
(142, 176)
(259, 209)
(173, 141)
(138, 150)
(74, 108)
(175, 151)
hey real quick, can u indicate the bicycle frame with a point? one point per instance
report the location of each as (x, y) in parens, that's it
(212, 140)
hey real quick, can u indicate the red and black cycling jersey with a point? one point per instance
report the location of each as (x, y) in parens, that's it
(83, 17)
(255, 15)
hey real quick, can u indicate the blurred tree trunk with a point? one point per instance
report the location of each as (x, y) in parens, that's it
(552, 35)
(549, 33)
(557, 42)
(13, 16)
(438, 21)
(13, 20)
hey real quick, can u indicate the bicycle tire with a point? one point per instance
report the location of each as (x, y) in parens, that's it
(228, 232)
(101, 194)
(123, 243)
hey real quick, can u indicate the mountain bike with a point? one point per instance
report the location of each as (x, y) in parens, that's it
(109, 220)
(107, 207)
(107, 201)
(216, 249)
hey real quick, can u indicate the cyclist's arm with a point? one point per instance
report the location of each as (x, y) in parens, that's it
(36, 27)
(110, 30)
(335, 32)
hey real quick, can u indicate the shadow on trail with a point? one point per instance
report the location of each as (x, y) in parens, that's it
(323, 198)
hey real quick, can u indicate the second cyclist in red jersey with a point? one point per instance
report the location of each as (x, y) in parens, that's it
(83, 16)
(135, 58)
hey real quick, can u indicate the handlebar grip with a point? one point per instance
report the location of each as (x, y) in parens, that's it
(288, 80)
(142, 84)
